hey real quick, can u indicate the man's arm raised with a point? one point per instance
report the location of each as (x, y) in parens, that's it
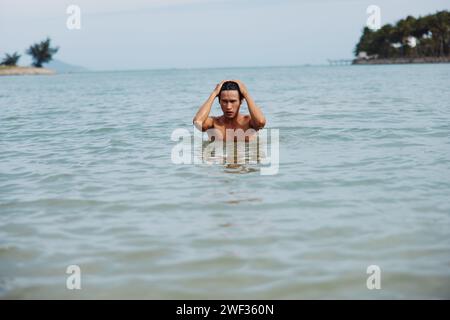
(202, 120)
(257, 119)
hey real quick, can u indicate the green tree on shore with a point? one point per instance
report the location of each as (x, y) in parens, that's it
(10, 59)
(431, 33)
(41, 52)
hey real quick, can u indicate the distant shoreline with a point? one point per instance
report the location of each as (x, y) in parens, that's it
(21, 71)
(402, 60)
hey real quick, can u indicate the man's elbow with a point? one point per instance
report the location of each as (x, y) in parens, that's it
(259, 124)
(198, 124)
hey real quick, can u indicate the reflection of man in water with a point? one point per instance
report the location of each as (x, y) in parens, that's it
(230, 94)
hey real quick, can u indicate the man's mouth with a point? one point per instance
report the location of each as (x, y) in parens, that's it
(229, 113)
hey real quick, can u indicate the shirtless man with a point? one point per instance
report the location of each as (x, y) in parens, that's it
(230, 94)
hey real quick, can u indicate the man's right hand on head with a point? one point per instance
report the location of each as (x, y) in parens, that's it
(218, 87)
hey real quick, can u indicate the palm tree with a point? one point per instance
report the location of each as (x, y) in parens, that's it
(382, 41)
(10, 59)
(404, 28)
(41, 52)
(440, 29)
(364, 42)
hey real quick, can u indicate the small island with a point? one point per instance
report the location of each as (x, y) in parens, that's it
(411, 40)
(40, 52)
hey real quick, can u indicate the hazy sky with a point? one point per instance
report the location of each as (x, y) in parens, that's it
(138, 34)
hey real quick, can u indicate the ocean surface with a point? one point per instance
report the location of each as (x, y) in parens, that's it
(87, 179)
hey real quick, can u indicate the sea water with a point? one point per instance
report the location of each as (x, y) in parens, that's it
(87, 179)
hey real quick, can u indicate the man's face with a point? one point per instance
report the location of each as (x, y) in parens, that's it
(230, 103)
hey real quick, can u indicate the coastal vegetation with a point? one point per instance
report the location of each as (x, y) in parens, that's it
(41, 53)
(424, 39)
(10, 59)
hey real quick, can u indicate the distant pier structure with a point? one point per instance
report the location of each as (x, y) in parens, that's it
(340, 62)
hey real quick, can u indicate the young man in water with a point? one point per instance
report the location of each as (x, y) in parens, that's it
(230, 94)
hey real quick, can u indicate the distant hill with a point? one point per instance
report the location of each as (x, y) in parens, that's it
(62, 67)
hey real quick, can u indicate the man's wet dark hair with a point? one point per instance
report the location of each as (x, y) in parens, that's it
(230, 85)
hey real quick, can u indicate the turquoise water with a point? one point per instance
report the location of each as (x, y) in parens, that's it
(86, 178)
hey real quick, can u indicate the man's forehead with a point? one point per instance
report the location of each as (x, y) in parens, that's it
(229, 94)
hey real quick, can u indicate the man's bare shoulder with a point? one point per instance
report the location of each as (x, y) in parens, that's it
(245, 119)
(218, 120)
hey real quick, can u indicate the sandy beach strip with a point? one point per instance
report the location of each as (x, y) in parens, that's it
(18, 71)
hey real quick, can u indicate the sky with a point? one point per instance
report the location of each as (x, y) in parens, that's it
(139, 34)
